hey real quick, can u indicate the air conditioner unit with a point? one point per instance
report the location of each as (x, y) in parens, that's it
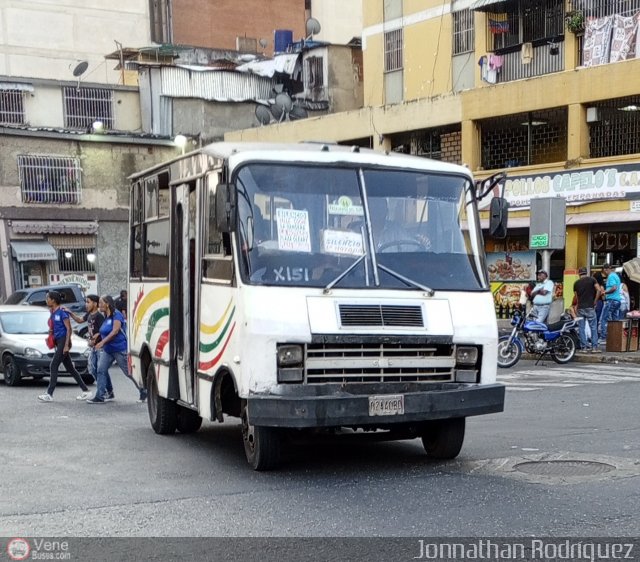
(35, 280)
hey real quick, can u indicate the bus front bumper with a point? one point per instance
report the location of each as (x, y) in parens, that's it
(334, 405)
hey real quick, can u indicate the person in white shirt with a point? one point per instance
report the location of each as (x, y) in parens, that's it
(542, 295)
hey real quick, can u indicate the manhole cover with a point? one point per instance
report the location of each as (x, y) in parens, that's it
(564, 468)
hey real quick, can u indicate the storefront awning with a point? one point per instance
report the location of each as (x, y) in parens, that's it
(488, 6)
(577, 218)
(54, 227)
(33, 250)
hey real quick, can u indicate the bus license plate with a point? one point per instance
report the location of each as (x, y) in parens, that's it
(390, 405)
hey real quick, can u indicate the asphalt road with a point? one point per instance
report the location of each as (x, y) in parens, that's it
(72, 469)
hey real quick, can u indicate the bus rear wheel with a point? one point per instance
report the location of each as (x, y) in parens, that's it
(162, 412)
(262, 445)
(442, 439)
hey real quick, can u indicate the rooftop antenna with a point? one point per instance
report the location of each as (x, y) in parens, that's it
(312, 27)
(79, 70)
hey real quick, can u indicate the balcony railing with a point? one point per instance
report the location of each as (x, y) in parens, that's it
(542, 62)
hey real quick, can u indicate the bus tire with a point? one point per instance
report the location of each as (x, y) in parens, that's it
(187, 420)
(162, 412)
(262, 445)
(442, 439)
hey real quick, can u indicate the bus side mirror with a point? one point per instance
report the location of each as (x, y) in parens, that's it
(226, 207)
(499, 214)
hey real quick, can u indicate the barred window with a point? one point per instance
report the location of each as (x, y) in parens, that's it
(393, 46)
(11, 106)
(463, 36)
(160, 12)
(50, 179)
(75, 259)
(313, 73)
(83, 106)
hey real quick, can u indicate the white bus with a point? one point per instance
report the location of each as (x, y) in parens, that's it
(311, 286)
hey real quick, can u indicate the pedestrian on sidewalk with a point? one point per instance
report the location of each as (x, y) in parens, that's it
(61, 326)
(111, 348)
(586, 291)
(597, 275)
(542, 295)
(612, 300)
(94, 320)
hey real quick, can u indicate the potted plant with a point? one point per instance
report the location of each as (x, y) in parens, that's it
(575, 21)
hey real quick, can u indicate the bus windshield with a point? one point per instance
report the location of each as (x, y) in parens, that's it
(352, 227)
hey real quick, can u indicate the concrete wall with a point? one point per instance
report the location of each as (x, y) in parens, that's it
(217, 24)
(340, 20)
(344, 78)
(46, 39)
(112, 254)
(211, 119)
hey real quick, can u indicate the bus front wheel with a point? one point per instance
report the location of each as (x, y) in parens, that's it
(442, 439)
(262, 445)
(162, 412)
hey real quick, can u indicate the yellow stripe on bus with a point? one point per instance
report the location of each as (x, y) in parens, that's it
(147, 302)
(212, 329)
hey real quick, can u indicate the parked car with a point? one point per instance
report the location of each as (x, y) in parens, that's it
(73, 299)
(23, 350)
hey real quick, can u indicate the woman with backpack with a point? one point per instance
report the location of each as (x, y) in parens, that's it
(111, 347)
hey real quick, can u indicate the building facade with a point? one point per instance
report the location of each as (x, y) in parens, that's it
(70, 134)
(545, 90)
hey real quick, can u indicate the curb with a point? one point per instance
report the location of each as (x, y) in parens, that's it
(599, 358)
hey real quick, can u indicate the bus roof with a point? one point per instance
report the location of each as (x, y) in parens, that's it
(311, 152)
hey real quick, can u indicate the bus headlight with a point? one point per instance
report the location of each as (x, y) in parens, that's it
(289, 355)
(290, 363)
(466, 355)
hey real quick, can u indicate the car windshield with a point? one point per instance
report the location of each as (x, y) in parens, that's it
(27, 322)
(320, 226)
(16, 298)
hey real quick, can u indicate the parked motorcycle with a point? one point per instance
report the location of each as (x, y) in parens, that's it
(558, 340)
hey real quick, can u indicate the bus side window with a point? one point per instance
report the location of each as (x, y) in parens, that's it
(217, 263)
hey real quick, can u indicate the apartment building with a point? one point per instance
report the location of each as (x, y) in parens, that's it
(547, 90)
(70, 134)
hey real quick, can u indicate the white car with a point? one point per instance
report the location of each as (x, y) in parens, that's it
(23, 349)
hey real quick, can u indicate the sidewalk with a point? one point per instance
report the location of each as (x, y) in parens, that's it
(504, 327)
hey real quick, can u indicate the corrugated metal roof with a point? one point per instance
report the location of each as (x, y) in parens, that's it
(215, 85)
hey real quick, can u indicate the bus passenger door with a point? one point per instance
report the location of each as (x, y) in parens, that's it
(182, 292)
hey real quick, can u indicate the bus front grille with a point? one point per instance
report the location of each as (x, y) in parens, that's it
(378, 362)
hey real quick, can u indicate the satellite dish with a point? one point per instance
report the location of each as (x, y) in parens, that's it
(284, 101)
(312, 26)
(277, 112)
(263, 115)
(298, 112)
(80, 68)
(263, 43)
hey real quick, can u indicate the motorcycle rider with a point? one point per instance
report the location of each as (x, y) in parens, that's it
(542, 295)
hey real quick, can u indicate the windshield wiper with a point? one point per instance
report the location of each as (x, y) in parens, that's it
(346, 272)
(430, 292)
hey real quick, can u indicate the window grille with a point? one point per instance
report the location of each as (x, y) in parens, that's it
(83, 106)
(601, 8)
(50, 179)
(531, 21)
(75, 260)
(160, 12)
(463, 35)
(616, 132)
(393, 47)
(524, 139)
(313, 73)
(11, 106)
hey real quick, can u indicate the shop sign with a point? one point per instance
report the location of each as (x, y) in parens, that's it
(539, 241)
(577, 188)
(511, 266)
(634, 206)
